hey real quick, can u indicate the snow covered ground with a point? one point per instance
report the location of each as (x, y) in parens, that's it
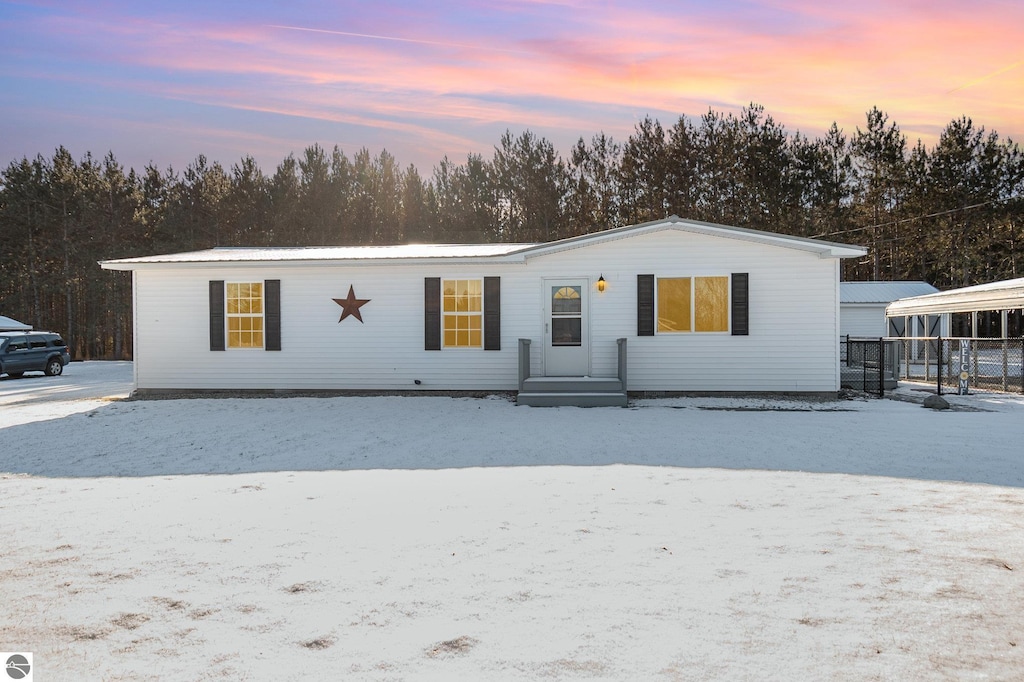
(433, 538)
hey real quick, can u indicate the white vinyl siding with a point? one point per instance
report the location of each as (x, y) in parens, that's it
(792, 345)
(865, 319)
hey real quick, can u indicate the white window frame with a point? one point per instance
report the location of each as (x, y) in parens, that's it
(262, 315)
(480, 313)
(693, 303)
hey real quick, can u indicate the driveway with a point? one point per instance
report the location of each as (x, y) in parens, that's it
(82, 387)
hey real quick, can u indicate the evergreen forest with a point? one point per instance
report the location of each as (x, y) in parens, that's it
(951, 214)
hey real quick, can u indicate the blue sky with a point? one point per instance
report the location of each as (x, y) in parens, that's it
(164, 82)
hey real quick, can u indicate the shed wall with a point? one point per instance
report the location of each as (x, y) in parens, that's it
(862, 319)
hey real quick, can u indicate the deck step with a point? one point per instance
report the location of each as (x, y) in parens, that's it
(572, 399)
(572, 385)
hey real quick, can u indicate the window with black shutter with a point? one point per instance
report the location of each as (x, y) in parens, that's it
(462, 313)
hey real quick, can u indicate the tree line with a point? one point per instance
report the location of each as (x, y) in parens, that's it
(950, 214)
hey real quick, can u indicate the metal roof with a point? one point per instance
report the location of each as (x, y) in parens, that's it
(1004, 295)
(882, 292)
(8, 324)
(480, 252)
(224, 254)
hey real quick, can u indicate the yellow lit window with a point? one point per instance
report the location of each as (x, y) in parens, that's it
(245, 314)
(462, 303)
(711, 309)
(674, 304)
(693, 304)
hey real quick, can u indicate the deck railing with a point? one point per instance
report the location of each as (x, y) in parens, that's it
(621, 343)
(524, 362)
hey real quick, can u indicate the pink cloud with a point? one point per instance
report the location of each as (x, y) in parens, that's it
(808, 63)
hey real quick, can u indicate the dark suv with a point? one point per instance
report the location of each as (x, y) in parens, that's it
(22, 352)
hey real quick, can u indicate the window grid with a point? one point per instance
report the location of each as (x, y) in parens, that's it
(245, 314)
(462, 305)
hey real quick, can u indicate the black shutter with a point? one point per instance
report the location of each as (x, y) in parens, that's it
(645, 305)
(740, 304)
(432, 313)
(492, 313)
(272, 314)
(217, 314)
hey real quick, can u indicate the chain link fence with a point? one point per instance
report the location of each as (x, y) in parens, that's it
(950, 362)
(869, 365)
(875, 365)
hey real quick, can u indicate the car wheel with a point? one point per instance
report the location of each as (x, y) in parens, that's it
(15, 375)
(54, 367)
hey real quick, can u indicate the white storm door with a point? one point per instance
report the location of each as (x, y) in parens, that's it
(566, 327)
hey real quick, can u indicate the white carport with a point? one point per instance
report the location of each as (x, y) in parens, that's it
(983, 345)
(990, 310)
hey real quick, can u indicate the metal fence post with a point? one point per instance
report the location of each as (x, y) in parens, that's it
(1006, 367)
(927, 359)
(974, 356)
(938, 367)
(881, 368)
(863, 366)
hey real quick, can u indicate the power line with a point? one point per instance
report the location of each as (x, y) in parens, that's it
(908, 220)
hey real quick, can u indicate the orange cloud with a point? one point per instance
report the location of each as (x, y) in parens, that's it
(808, 63)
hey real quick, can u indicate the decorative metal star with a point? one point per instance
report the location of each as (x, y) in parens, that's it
(350, 305)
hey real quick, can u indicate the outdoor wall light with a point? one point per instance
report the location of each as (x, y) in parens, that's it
(601, 284)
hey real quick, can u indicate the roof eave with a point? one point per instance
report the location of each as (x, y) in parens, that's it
(822, 248)
(142, 264)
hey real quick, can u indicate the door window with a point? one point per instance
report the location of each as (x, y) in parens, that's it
(566, 316)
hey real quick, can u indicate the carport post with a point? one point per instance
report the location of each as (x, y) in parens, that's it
(927, 352)
(906, 355)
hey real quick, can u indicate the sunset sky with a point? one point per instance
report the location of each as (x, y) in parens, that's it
(166, 81)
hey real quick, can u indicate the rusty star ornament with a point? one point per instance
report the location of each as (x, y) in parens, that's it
(350, 305)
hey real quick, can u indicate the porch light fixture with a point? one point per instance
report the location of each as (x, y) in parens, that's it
(601, 284)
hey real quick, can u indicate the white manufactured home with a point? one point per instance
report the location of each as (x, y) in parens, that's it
(667, 306)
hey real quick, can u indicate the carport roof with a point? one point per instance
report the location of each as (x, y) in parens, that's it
(1004, 295)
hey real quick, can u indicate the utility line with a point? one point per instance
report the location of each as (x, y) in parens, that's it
(908, 220)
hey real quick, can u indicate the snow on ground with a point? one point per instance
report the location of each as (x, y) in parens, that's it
(391, 538)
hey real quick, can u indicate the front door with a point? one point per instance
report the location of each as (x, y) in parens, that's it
(566, 327)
